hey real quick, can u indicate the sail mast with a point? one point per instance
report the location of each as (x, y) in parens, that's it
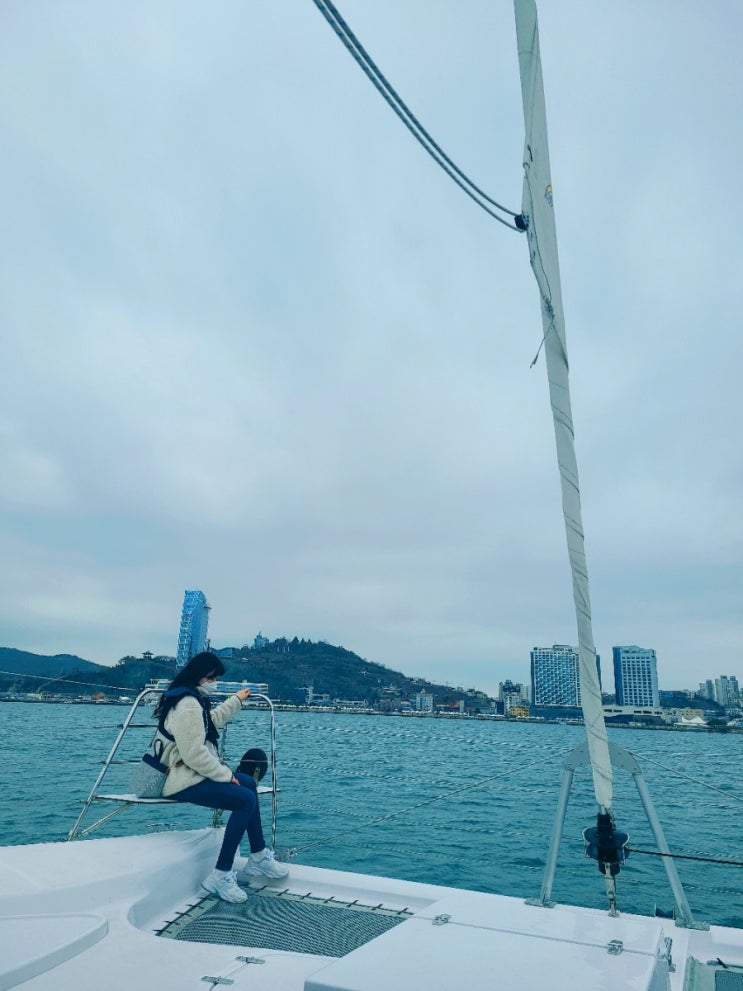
(542, 238)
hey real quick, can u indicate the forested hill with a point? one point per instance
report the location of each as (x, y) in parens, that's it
(23, 662)
(289, 667)
(67, 674)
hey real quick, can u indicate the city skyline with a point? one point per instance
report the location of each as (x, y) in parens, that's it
(567, 652)
(724, 689)
(509, 671)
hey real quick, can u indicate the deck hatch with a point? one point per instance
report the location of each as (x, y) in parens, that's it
(285, 921)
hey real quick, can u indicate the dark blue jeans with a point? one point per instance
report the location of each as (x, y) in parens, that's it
(242, 802)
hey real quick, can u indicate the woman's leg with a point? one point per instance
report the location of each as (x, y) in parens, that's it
(242, 803)
(255, 826)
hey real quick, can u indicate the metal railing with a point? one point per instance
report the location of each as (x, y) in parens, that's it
(125, 801)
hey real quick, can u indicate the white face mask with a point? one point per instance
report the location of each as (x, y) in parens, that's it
(208, 688)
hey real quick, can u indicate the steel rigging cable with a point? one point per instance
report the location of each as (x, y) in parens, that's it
(361, 56)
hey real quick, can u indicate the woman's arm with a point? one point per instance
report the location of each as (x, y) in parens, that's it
(222, 713)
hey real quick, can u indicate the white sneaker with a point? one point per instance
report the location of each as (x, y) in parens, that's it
(264, 864)
(224, 884)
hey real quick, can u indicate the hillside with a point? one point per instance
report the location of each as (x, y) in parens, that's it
(289, 667)
(22, 671)
(22, 662)
(25, 662)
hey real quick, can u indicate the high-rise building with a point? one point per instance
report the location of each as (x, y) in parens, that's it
(555, 676)
(707, 689)
(727, 692)
(636, 676)
(512, 695)
(192, 638)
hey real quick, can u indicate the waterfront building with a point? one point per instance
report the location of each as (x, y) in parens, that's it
(506, 688)
(423, 702)
(634, 715)
(223, 687)
(192, 638)
(260, 642)
(512, 695)
(691, 717)
(230, 687)
(518, 711)
(636, 676)
(555, 681)
(555, 676)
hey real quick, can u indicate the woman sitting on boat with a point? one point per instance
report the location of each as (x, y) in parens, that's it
(187, 727)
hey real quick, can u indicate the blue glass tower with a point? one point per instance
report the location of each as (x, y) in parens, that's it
(192, 638)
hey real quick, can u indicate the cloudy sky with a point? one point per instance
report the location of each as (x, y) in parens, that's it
(255, 342)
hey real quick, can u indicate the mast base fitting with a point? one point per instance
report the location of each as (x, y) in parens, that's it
(606, 844)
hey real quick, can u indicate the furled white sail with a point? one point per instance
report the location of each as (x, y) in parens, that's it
(542, 238)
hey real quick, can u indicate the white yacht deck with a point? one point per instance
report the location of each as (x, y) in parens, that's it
(87, 914)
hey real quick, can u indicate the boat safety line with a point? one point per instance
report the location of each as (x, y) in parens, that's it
(66, 681)
(485, 831)
(369, 776)
(427, 801)
(697, 781)
(687, 856)
(305, 766)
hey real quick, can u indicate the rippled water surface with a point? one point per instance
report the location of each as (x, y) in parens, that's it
(466, 803)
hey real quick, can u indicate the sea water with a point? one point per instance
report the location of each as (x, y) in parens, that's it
(460, 802)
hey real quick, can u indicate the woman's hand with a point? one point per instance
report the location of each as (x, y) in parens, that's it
(243, 694)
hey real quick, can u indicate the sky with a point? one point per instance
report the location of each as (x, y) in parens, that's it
(255, 342)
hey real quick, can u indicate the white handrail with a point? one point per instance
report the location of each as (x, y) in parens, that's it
(125, 800)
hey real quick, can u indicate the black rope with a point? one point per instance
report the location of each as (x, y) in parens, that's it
(366, 63)
(686, 856)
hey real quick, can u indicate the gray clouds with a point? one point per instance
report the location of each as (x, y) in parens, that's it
(255, 342)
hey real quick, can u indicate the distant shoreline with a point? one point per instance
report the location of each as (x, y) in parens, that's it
(333, 710)
(72, 701)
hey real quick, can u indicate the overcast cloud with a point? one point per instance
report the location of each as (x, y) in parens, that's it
(255, 342)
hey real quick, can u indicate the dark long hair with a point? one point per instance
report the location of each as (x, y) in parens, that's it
(252, 760)
(200, 666)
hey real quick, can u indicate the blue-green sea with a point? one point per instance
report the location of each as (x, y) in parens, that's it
(464, 802)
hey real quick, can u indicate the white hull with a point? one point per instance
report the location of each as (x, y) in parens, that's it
(84, 915)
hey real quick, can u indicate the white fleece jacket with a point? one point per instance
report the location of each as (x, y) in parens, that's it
(190, 757)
